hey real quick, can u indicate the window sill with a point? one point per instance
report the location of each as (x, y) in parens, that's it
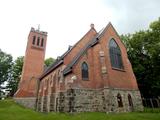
(122, 70)
(37, 47)
(85, 79)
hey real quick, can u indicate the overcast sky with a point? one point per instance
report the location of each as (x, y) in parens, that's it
(66, 21)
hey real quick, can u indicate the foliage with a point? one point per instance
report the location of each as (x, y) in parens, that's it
(16, 75)
(143, 49)
(151, 110)
(12, 84)
(5, 67)
(9, 110)
(49, 61)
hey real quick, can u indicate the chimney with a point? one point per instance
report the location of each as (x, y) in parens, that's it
(92, 25)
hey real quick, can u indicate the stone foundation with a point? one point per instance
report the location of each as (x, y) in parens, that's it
(91, 100)
(28, 102)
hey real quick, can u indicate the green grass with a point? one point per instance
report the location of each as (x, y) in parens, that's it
(9, 110)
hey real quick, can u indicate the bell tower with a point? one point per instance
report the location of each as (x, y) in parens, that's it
(33, 64)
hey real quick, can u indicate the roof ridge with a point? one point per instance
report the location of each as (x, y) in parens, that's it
(60, 60)
(78, 42)
(90, 44)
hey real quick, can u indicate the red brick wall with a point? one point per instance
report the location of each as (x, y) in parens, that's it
(33, 63)
(87, 37)
(114, 78)
(118, 79)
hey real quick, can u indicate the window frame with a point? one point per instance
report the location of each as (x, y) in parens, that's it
(115, 55)
(130, 101)
(119, 100)
(42, 42)
(38, 41)
(34, 40)
(85, 76)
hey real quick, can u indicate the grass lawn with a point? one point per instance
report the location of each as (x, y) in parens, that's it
(11, 111)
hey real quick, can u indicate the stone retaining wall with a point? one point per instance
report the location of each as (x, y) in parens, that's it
(91, 100)
(28, 102)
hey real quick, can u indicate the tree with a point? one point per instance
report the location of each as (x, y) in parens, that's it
(143, 49)
(49, 61)
(5, 68)
(12, 84)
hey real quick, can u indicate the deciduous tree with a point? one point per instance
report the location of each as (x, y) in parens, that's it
(5, 68)
(49, 61)
(143, 49)
(12, 84)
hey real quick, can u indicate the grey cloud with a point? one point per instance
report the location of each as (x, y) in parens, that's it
(134, 15)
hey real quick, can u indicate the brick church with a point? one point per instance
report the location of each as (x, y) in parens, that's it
(93, 75)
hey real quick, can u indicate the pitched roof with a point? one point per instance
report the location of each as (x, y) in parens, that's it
(59, 61)
(93, 42)
(68, 69)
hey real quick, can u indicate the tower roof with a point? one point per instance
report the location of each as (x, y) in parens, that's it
(38, 31)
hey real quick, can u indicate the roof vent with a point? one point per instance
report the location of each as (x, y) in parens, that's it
(69, 47)
(58, 58)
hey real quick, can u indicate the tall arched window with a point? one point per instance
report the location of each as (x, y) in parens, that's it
(130, 100)
(42, 42)
(34, 40)
(84, 69)
(38, 40)
(119, 100)
(115, 55)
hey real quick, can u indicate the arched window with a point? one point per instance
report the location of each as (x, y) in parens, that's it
(130, 100)
(115, 55)
(84, 69)
(34, 40)
(38, 40)
(42, 42)
(119, 100)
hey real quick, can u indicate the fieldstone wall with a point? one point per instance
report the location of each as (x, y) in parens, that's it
(52, 103)
(87, 100)
(92, 100)
(44, 104)
(112, 103)
(28, 102)
(39, 102)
